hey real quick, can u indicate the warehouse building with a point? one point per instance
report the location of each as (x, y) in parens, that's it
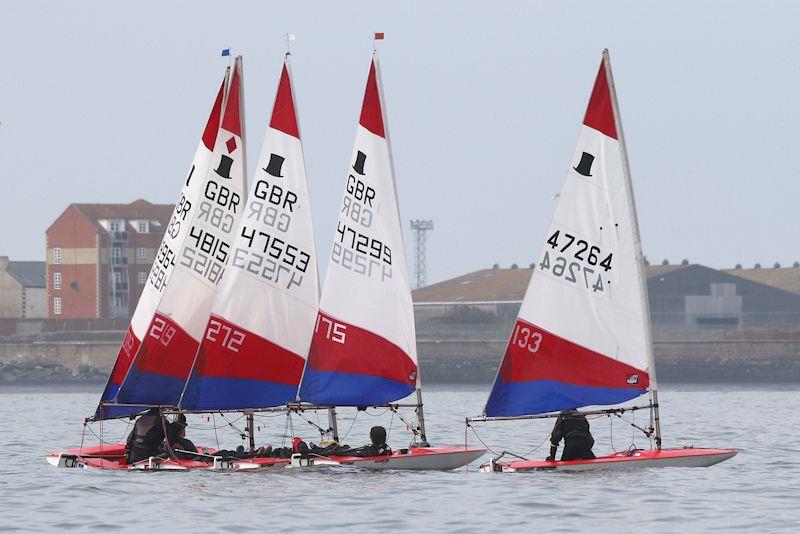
(685, 297)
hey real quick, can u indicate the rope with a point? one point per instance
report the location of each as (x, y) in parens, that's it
(239, 431)
(214, 424)
(351, 428)
(503, 453)
(166, 437)
(87, 427)
(408, 425)
(322, 432)
(389, 433)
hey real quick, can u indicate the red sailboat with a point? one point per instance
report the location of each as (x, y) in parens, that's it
(583, 335)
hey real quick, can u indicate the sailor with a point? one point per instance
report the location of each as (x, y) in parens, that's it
(573, 428)
(176, 436)
(377, 446)
(145, 438)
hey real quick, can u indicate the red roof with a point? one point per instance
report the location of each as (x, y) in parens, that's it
(138, 209)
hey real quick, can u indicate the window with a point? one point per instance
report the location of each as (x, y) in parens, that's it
(116, 252)
(141, 253)
(56, 305)
(57, 255)
(142, 278)
(143, 226)
(117, 276)
(56, 280)
(115, 226)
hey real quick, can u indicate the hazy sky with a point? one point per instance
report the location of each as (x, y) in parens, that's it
(104, 103)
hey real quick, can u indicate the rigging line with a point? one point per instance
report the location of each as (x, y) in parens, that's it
(100, 436)
(321, 430)
(389, 433)
(214, 424)
(408, 425)
(230, 423)
(353, 422)
(521, 456)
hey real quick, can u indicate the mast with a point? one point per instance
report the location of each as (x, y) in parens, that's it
(637, 244)
(239, 63)
(251, 429)
(379, 79)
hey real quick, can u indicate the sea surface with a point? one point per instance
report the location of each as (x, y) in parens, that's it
(759, 489)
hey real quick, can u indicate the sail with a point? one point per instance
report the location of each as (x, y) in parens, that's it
(364, 347)
(257, 339)
(162, 364)
(162, 268)
(581, 337)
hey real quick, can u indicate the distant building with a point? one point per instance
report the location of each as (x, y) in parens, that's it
(22, 289)
(99, 256)
(786, 278)
(681, 296)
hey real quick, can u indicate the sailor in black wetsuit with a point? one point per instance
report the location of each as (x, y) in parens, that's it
(573, 428)
(377, 447)
(176, 434)
(145, 438)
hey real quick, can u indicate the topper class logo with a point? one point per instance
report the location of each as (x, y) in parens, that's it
(632, 379)
(275, 165)
(225, 162)
(584, 168)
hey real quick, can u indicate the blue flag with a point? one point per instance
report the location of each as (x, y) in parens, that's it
(226, 52)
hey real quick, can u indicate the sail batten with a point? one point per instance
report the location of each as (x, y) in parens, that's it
(581, 337)
(363, 350)
(256, 342)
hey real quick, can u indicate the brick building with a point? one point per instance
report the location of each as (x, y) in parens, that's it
(99, 256)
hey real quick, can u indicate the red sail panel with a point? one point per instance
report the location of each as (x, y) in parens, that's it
(371, 113)
(600, 112)
(284, 117)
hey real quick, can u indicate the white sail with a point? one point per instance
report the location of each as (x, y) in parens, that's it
(582, 335)
(258, 336)
(163, 361)
(364, 346)
(176, 232)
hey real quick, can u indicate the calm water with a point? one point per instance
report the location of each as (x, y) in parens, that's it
(759, 488)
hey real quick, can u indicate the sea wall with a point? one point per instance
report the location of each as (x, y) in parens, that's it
(454, 356)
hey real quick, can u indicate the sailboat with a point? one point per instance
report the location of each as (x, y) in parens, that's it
(160, 273)
(155, 363)
(583, 334)
(363, 352)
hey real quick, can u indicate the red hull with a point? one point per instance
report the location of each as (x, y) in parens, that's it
(423, 458)
(689, 457)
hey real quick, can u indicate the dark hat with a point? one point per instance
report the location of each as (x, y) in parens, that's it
(274, 166)
(180, 420)
(358, 166)
(224, 167)
(585, 165)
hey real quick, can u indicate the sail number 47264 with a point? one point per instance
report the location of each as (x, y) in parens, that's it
(582, 250)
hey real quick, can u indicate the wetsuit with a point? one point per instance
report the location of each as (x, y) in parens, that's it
(145, 438)
(578, 441)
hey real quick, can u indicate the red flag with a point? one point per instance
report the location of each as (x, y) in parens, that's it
(379, 36)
